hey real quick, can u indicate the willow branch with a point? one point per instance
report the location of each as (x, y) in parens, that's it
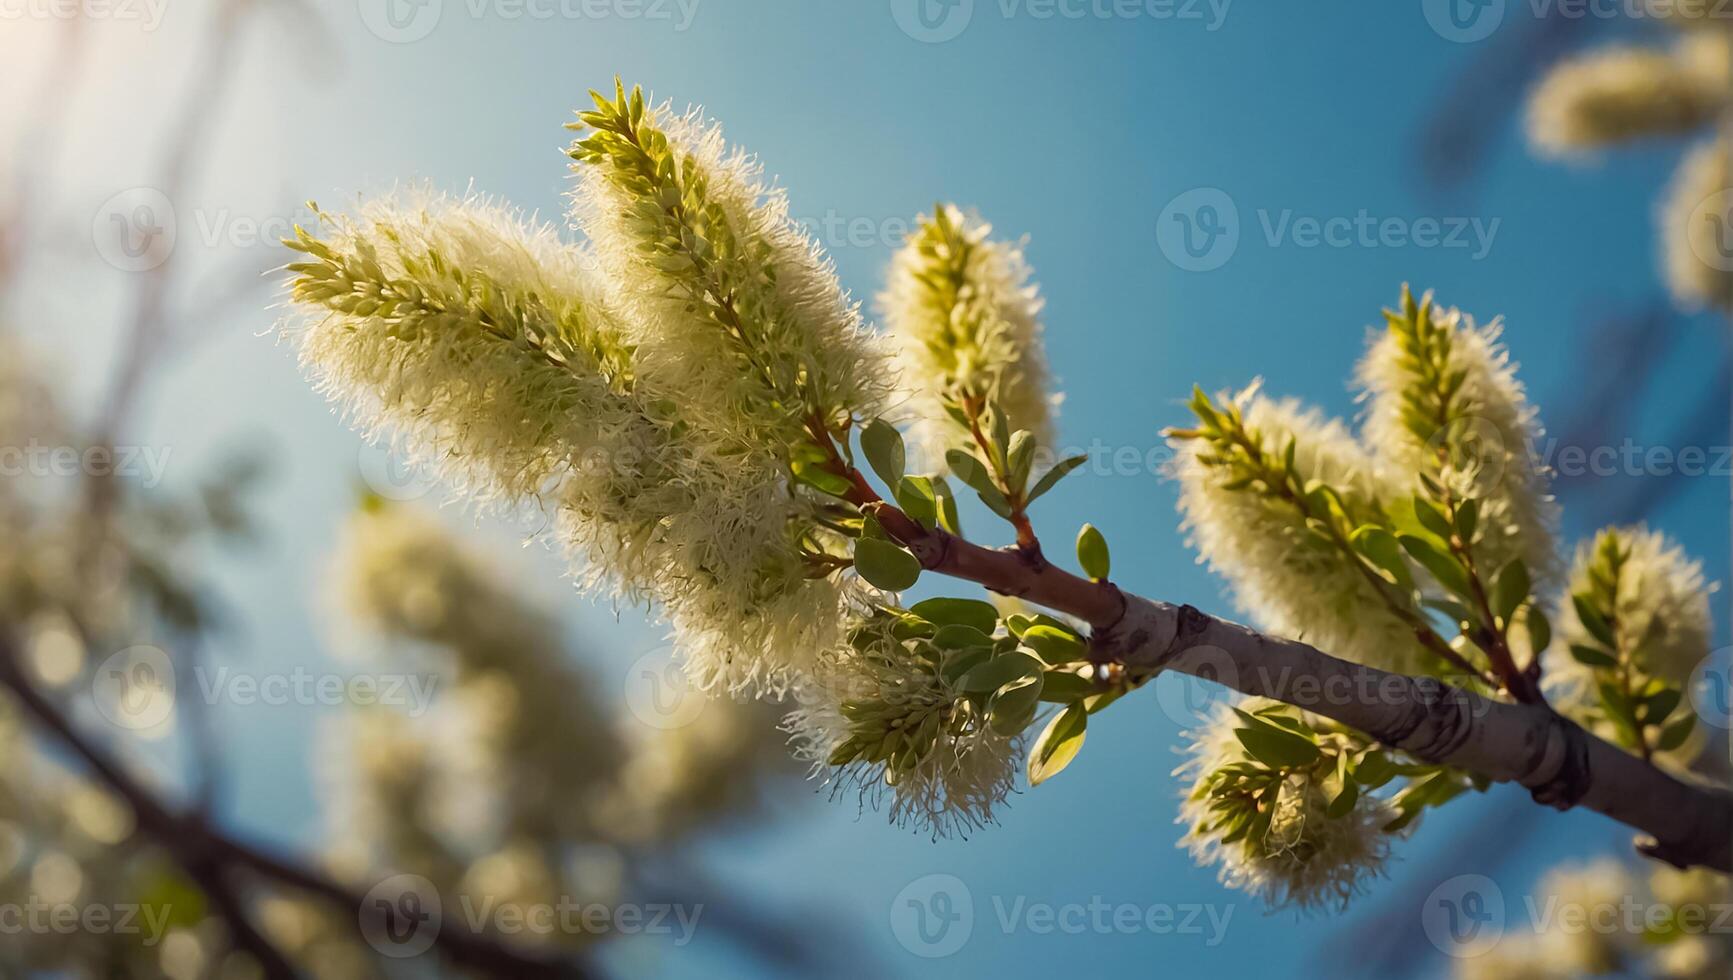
(1555, 759)
(208, 855)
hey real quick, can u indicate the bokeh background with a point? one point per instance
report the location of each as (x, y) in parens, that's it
(1084, 130)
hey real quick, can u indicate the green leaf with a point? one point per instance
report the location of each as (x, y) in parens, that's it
(1278, 747)
(1012, 707)
(1051, 478)
(1675, 734)
(1459, 614)
(1510, 590)
(1592, 656)
(975, 473)
(1659, 706)
(1021, 457)
(1374, 770)
(883, 446)
(1443, 566)
(1064, 687)
(1381, 548)
(1092, 553)
(1467, 517)
(915, 496)
(885, 565)
(1539, 630)
(1058, 744)
(947, 506)
(814, 475)
(943, 611)
(1432, 518)
(1592, 619)
(998, 672)
(970, 470)
(1341, 790)
(1055, 646)
(958, 663)
(957, 636)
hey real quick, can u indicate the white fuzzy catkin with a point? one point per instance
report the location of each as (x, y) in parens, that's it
(1626, 93)
(1490, 439)
(965, 316)
(1280, 574)
(1661, 618)
(943, 768)
(727, 299)
(1696, 239)
(492, 354)
(1308, 859)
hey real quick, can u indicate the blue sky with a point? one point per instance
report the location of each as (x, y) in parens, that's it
(1080, 132)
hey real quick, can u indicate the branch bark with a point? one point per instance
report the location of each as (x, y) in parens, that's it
(209, 856)
(1562, 765)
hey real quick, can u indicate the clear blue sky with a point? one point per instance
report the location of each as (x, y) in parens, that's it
(1078, 132)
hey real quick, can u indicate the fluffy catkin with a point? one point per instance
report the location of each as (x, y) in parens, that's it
(1478, 438)
(965, 317)
(1306, 858)
(491, 353)
(1627, 93)
(1286, 578)
(728, 301)
(1694, 221)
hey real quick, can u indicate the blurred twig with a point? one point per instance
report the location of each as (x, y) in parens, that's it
(208, 854)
